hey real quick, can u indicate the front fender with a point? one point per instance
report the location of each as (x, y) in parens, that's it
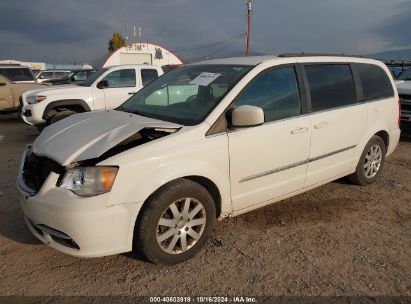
(141, 188)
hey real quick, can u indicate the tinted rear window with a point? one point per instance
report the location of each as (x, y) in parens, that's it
(17, 74)
(148, 75)
(331, 86)
(375, 82)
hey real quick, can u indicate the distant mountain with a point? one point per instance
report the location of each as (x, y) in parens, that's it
(404, 54)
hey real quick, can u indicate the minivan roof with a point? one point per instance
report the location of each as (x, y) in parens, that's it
(255, 60)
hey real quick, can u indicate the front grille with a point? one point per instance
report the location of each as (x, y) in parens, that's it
(405, 96)
(56, 235)
(406, 107)
(36, 169)
(65, 242)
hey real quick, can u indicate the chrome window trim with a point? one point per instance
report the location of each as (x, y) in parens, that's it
(293, 165)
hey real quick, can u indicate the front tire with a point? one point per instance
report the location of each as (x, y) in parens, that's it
(371, 162)
(175, 222)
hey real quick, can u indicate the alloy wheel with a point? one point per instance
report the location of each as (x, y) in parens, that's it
(372, 161)
(181, 225)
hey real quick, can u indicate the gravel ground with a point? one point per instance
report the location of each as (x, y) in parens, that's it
(339, 239)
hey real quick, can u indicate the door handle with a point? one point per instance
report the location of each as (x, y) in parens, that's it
(321, 125)
(299, 130)
(132, 93)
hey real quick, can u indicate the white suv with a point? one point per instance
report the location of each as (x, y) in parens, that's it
(404, 91)
(47, 75)
(106, 89)
(208, 140)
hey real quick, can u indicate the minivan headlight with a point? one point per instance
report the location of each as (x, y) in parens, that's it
(89, 181)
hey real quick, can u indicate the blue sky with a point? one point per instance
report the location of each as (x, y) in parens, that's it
(79, 30)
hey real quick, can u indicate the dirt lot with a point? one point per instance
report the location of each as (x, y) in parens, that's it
(339, 239)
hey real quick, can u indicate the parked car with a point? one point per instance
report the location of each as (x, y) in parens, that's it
(10, 93)
(404, 91)
(208, 140)
(106, 89)
(73, 77)
(17, 73)
(47, 75)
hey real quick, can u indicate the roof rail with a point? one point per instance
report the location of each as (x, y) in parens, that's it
(396, 62)
(315, 55)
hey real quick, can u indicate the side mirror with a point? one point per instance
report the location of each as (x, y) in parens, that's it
(2, 84)
(102, 84)
(247, 116)
(72, 79)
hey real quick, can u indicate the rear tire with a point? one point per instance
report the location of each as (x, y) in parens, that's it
(59, 116)
(175, 222)
(371, 162)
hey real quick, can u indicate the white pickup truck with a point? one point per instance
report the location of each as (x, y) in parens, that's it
(106, 89)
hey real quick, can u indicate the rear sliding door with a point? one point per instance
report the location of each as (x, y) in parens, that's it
(338, 121)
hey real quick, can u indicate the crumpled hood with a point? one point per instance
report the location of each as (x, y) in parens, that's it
(403, 87)
(88, 135)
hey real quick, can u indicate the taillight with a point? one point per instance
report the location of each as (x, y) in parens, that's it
(399, 112)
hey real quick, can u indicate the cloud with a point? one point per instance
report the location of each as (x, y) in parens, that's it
(79, 30)
(396, 29)
(42, 28)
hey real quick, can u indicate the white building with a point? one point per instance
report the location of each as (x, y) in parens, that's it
(35, 66)
(140, 53)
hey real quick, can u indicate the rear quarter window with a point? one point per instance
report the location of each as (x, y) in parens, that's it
(374, 81)
(148, 75)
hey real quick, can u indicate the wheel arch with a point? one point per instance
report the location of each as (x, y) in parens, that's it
(385, 137)
(378, 130)
(78, 105)
(207, 183)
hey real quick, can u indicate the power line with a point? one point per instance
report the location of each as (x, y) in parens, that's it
(220, 49)
(212, 44)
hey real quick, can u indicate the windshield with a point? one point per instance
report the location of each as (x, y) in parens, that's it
(406, 75)
(93, 77)
(185, 95)
(17, 74)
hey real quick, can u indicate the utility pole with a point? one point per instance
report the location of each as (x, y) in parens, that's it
(249, 9)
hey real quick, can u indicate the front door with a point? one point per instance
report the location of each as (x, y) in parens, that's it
(270, 161)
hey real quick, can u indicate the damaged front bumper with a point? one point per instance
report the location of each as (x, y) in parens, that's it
(74, 225)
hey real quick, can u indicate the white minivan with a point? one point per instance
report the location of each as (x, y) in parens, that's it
(206, 141)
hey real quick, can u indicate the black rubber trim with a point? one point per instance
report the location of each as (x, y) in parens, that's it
(293, 165)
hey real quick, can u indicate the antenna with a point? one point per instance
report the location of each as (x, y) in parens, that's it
(249, 9)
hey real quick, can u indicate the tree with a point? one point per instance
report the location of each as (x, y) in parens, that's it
(116, 42)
